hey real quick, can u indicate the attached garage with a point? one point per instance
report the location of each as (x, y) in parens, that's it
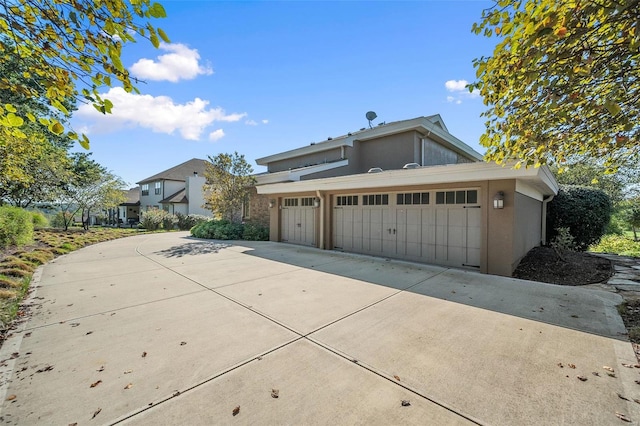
(441, 215)
(441, 227)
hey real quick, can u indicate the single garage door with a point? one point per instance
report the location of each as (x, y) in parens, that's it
(298, 221)
(439, 227)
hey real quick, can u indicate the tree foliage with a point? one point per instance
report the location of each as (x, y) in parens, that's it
(66, 44)
(562, 81)
(228, 181)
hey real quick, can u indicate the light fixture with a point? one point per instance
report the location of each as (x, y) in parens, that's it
(316, 202)
(498, 200)
(272, 203)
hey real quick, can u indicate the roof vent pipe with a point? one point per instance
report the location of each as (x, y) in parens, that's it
(375, 170)
(411, 166)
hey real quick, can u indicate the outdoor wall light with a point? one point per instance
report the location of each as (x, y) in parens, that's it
(316, 202)
(272, 203)
(498, 200)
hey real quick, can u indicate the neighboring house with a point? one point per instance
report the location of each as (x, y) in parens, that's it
(129, 211)
(176, 190)
(407, 190)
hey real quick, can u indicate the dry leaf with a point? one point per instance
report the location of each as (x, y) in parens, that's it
(611, 374)
(75, 324)
(622, 397)
(595, 373)
(183, 343)
(128, 372)
(571, 365)
(582, 378)
(608, 368)
(236, 411)
(623, 417)
(636, 400)
(397, 378)
(93, 385)
(559, 364)
(627, 365)
(95, 413)
(637, 382)
(275, 393)
(144, 354)
(129, 386)
(405, 403)
(88, 333)
(73, 424)
(100, 369)
(43, 369)
(11, 397)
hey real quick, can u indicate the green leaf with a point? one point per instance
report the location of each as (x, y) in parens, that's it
(163, 35)
(612, 107)
(544, 32)
(84, 141)
(56, 128)
(157, 11)
(154, 40)
(107, 106)
(31, 117)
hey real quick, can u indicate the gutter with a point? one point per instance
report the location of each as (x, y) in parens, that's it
(545, 201)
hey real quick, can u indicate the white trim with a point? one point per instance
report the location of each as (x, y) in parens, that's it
(537, 178)
(295, 174)
(528, 190)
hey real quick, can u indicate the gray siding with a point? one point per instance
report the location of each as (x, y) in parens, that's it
(306, 160)
(388, 153)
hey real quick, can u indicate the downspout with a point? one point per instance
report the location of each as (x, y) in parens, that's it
(544, 218)
(321, 208)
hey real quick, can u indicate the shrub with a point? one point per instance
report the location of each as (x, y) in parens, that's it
(585, 211)
(563, 240)
(152, 219)
(255, 232)
(16, 226)
(60, 219)
(218, 230)
(169, 222)
(39, 220)
(186, 222)
(617, 244)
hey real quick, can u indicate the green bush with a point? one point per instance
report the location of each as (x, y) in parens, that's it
(585, 211)
(153, 219)
(186, 222)
(16, 226)
(218, 230)
(169, 222)
(617, 244)
(59, 219)
(254, 232)
(39, 220)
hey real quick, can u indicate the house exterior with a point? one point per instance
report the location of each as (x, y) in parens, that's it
(129, 211)
(407, 190)
(176, 190)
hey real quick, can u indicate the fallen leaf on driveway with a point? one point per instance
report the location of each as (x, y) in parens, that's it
(595, 373)
(93, 385)
(623, 417)
(405, 403)
(43, 369)
(636, 400)
(236, 411)
(611, 374)
(88, 333)
(75, 324)
(571, 365)
(129, 386)
(397, 378)
(582, 378)
(73, 424)
(608, 368)
(629, 365)
(622, 397)
(183, 343)
(11, 397)
(559, 364)
(100, 369)
(144, 354)
(95, 413)
(275, 393)
(128, 372)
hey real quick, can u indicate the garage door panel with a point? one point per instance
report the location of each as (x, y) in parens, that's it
(299, 225)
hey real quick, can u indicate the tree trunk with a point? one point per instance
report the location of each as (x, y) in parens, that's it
(635, 234)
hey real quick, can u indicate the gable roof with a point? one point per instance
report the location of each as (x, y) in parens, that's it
(178, 197)
(133, 197)
(432, 126)
(179, 172)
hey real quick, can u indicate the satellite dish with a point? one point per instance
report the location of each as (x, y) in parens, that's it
(371, 116)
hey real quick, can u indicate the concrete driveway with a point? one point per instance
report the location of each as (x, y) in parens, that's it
(164, 329)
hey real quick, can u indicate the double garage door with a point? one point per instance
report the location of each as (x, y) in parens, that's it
(439, 227)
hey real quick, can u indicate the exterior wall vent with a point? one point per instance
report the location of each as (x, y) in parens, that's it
(375, 170)
(411, 166)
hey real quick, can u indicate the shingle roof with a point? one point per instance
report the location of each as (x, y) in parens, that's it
(179, 172)
(133, 197)
(178, 197)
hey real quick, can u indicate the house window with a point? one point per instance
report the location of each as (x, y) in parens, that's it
(158, 188)
(347, 200)
(457, 197)
(291, 202)
(307, 201)
(145, 189)
(412, 198)
(375, 200)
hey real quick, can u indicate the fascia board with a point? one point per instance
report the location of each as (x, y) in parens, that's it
(306, 150)
(296, 174)
(455, 173)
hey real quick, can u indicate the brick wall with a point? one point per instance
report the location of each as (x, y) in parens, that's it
(258, 208)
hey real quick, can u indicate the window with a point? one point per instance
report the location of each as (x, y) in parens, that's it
(412, 198)
(158, 188)
(375, 200)
(457, 197)
(290, 202)
(145, 189)
(307, 202)
(347, 200)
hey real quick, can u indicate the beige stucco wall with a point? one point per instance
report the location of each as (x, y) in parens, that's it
(195, 194)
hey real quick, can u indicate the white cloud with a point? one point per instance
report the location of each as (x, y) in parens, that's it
(265, 121)
(251, 123)
(216, 134)
(158, 113)
(459, 89)
(181, 63)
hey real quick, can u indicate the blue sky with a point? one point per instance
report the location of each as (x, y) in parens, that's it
(265, 77)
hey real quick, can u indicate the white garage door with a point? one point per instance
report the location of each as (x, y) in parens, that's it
(440, 227)
(299, 221)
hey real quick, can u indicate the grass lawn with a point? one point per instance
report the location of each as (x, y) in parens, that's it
(17, 264)
(623, 245)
